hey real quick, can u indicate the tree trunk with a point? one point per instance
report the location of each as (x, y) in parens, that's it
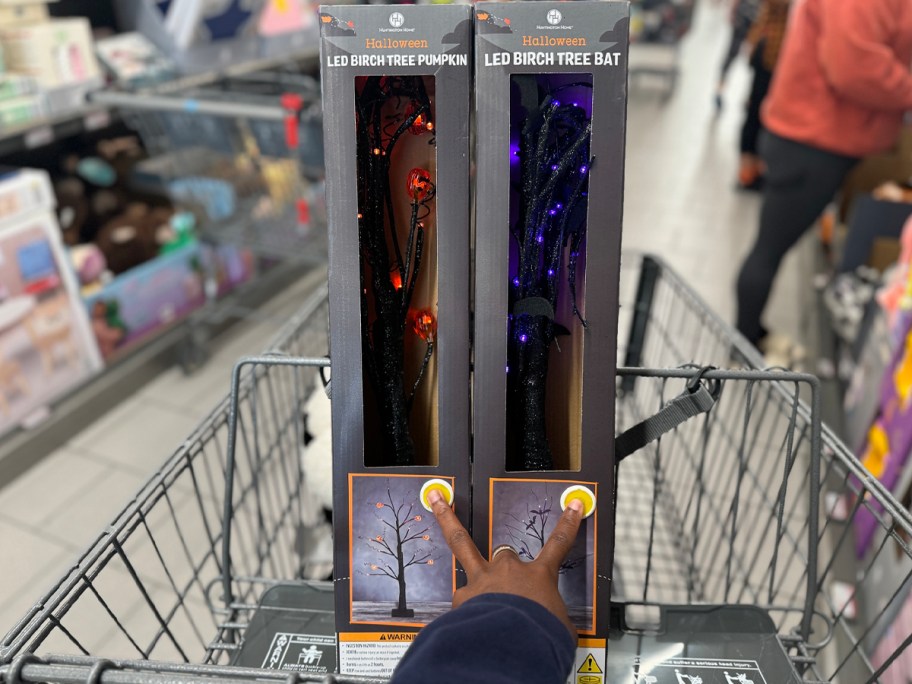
(402, 610)
(526, 384)
(389, 333)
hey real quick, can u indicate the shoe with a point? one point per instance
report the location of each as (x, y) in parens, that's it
(780, 351)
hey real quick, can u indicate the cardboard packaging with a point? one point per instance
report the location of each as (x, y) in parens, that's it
(18, 111)
(22, 13)
(56, 53)
(550, 92)
(133, 60)
(396, 93)
(46, 348)
(144, 301)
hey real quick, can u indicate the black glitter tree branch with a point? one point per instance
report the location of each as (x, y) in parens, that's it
(386, 108)
(554, 179)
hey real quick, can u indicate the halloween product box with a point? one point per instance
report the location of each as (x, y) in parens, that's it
(396, 92)
(551, 94)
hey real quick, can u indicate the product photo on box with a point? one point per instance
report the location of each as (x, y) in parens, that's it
(396, 93)
(551, 97)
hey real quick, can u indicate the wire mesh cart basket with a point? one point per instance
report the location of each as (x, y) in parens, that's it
(656, 30)
(245, 152)
(735, 560)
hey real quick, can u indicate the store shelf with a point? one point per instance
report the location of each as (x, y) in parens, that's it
(179, 344)
(185, 343)
(91, 117)
(101, 111)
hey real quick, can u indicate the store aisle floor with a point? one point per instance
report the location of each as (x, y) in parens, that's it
(680, 203)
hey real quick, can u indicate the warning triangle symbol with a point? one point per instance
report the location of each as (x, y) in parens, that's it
(590, 665)
(383, 637)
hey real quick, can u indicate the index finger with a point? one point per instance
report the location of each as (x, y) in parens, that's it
(456, 537)
(558, 546)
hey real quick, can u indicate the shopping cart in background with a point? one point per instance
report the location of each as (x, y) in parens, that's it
(751, 509)
(243, 153)
(656, 30)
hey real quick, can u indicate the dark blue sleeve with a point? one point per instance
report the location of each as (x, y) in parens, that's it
(492, 638)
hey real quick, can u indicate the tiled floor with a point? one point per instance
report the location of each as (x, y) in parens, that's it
(680, 203)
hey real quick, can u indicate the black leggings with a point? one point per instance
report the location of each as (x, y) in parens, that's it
(800, 182)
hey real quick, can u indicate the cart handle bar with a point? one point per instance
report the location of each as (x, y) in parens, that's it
(692, 375)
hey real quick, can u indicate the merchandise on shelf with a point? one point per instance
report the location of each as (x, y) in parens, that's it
(22, 12)
(133, 60)
(18, 111)
(896, 294)
(46, 347)
(889, 442)
(141, 302)
(894, 640)
(15, 85)
(56, 53)
(285, 16)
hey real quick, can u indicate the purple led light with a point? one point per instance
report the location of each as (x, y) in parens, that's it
(584, 168)
(524, 338)
(556, 103)
(516, 282)
(559, 205)
(539, 239)
(554, 167)
(508, 369)
(552, 211)
(550, 271)
(576, 104)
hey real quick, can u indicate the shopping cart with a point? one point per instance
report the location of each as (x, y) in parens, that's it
(243, 152)
(656, 30)
(752, 506)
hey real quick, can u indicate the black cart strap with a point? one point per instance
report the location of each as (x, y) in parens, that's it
(699, 397)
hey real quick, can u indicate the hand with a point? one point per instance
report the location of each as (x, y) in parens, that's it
(507, 574)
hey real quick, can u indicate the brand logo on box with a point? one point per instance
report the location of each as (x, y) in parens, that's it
(396, 19)
(554, 17)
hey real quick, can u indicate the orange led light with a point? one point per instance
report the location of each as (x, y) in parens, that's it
(418, 184)
(424, 324)
(396, 279)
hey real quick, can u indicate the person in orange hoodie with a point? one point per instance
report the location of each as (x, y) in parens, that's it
(841, 87)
